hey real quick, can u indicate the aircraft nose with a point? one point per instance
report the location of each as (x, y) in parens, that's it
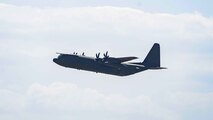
(55, 60)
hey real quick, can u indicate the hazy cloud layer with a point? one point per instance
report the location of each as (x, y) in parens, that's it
(33, 87)
(65, 99)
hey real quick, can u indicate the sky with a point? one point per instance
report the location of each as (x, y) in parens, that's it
(33, 87)
(165, 6)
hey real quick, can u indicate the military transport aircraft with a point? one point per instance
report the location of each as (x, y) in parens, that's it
(111, 65)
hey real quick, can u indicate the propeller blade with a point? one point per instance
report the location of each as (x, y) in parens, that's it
(106, 54)
(97, 55)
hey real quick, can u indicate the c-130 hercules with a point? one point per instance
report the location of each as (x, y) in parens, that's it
(111, 65)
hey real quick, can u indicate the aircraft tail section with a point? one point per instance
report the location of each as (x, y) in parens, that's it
(152, 60)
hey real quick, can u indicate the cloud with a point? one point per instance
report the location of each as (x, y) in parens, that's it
(30, 37)
(63, 98)
(67, 99)
(121, 21)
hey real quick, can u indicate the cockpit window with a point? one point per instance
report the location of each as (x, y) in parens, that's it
(60, 56)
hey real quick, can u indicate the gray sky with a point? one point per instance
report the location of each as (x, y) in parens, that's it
(33, 87)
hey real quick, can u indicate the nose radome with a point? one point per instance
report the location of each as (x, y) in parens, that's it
(55, 60)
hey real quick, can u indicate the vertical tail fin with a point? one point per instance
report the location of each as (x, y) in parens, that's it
(152, 60)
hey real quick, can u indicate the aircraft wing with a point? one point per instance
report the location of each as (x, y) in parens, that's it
(124, 59)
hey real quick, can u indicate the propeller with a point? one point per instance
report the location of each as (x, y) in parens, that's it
(106, 55)
(98, 59)
(97, 55)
